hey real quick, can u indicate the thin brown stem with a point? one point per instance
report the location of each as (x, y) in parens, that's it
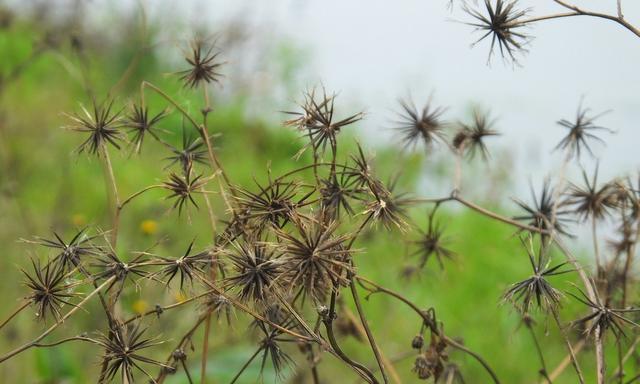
(429, 322)
(365, 324)
(54, 326)
(245, 366)
(13, 314)
(572, 354)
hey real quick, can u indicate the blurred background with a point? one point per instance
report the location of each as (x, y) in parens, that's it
(57, 55)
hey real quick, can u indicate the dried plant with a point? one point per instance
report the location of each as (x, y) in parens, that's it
(284, 254)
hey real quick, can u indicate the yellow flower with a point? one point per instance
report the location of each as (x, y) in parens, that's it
(149, 227)
(78, 220)
(180, 297)
(140, 306)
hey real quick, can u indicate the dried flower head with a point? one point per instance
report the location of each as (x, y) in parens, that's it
(388, 208)
(101, 124)
(432, 242)
(470, 137)
(581, 131)
(522, 293)
(192, 152)
(256, 270)
(425, 126)
(274, 204)
(541, 214)
(270, 347)
(186, 266)
(203, 63)
(110, 264)
(182, 189)
(140, 124)
(70, 253)
(122, 353)
(219, 305)
(316, 259)
(360, 173)
(337, 194)
(431, 362)
(317, 121)
(603, 316)
(591, 201)
(49, 289)
(501, 22)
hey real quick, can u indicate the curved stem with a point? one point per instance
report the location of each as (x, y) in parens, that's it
(428, 321)
(15, 312)
(35, 341)
(365, 324)
(245, 366)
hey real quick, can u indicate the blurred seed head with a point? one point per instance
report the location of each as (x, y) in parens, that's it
(470, 137)
(581, 133)
(425, 126)
(203, 63)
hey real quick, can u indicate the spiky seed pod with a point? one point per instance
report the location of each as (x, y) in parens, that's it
(270, 347)
(185, 266)
(102, 125)
(591, 201)
(256, 270)
(432, 242)
(337, 195)
(470, 137)
(315, 259)
(203, 64)
(191, 152)
(417, 342)
(360, 173)
(430, 363)
(49, 289)
(274, 204)
(426, 126)
(317, 121)
(581, 131)
(603, 316)
(122, 353)
(110, 264)
(523, 293)
(540, 214)
(182, 189)
(388, 208)
(140, 124)
(502, 22)
(71, 253)
(219, 305)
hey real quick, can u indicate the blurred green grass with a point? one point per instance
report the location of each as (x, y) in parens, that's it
(46, 187)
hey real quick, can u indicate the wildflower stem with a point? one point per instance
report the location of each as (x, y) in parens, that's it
(600, 363)
(205, 136)
(568, 359)
(114, 195)
(246, 365)
(572, 353)
(576, 11)
(328, 324)
(365, 324)
(133, 196)
(22, 306)
(429, 322)
(73, 310)
(596, 249)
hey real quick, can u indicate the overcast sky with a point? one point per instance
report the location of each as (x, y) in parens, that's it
(374, 51)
